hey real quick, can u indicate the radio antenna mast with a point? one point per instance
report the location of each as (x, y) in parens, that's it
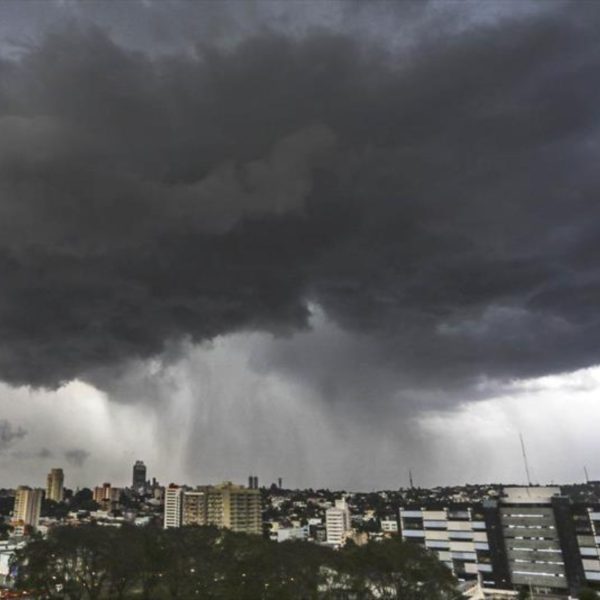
(525, 459)
(587, 478)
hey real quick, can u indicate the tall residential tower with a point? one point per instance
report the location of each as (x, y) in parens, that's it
(28, 505)
(55, 485)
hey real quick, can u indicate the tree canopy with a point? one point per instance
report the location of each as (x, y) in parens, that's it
(94, 563)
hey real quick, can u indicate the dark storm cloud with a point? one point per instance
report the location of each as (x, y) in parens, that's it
(42, 453)
(439, 199)
(9, 433)
(76, 456)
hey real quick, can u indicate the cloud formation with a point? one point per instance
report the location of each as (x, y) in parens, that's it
(436, 199)
(76, 456)
(9, 433)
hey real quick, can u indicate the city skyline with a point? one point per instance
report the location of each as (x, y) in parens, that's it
(323, 241)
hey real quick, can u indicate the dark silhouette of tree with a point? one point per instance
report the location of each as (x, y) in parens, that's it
(97, 563)
(83, 500)
(57, 510)
(7, 504)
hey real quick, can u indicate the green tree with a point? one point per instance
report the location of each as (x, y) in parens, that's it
(94, 563)
(123, 561)
(396, 569)
(83, 500)
(153, 551)
(524, 594)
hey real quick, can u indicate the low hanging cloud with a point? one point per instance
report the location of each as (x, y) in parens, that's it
(9, 434)
(37, 455)
(76, 456)
(435, 200)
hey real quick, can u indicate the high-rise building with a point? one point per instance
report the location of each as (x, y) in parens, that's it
(106, 494)
(173, 506)
(226, 505)
(337, 523)
(586, 520)
(533, 538)
(241, 507)
(139, 475)
(194, 508)
(535, 535)
(465, 537)
(28, 505)
(54, 485)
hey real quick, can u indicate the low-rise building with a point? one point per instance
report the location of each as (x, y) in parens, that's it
(389, 525)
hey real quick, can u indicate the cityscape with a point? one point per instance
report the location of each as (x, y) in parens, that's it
(299, 299)
(496, 540)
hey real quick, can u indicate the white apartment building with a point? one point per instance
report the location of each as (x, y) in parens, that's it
(283, 534)
(337, 523)
(389, 525)
(173, 506)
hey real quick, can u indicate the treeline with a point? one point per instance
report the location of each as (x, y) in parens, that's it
(94, 562)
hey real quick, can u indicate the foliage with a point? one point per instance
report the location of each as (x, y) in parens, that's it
(6, 505)
(588, 594)
(56, 510)
(95, 562)
(83, 500)
(524, 594)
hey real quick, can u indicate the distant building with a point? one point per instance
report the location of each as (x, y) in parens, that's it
(139, 475)
(173, 506)
(389, 525)
(283, 534)
(226, 505)
(194, 508)
(337, 523)
(55, 485)
(26, 513)
(7, 553)
(235, 507)
(106, 494)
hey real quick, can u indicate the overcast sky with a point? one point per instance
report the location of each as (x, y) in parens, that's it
(321, 241)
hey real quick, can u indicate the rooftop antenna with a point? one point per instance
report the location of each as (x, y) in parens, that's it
(410, 479)
(587, 478)
(525, 459)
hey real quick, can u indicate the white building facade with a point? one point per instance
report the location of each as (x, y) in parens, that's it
(173, 506)
(337, 523)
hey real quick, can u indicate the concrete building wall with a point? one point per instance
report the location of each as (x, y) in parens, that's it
(26, 512)
(455, 534)
(55, 485)
(173, 506)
